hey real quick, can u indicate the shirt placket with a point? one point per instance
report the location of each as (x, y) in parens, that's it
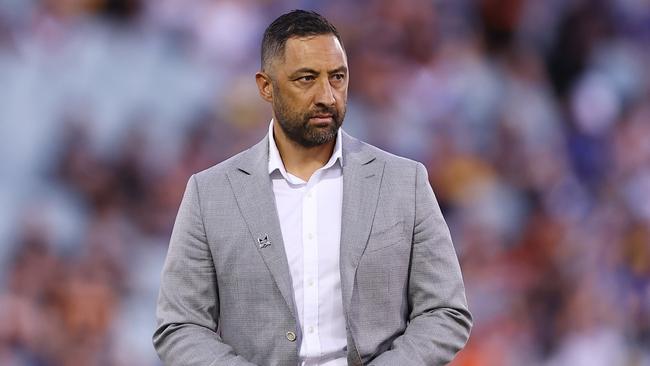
(310, 268)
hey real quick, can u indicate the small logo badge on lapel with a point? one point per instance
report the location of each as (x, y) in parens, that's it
(264, 242)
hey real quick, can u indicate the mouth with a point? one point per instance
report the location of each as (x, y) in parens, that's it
(322, 119)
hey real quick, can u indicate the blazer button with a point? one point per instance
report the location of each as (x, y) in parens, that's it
(291, 336)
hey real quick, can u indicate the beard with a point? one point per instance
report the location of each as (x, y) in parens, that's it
(297, 128)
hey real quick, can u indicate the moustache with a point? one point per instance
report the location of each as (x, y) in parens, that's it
(324, 110)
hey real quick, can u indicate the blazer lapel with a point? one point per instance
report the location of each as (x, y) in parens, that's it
(362, 175)
(253, 191)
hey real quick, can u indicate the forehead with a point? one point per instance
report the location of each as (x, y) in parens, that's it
(316, 52)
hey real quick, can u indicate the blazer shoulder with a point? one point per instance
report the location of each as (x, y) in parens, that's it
(217, 173)
(390, 159)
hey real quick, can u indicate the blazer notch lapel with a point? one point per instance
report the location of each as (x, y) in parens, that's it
(361, 185)
(254, 195)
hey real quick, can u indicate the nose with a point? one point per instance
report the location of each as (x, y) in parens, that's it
(325, 94)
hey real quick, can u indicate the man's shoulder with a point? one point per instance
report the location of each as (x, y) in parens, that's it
(391, 160)
(219, 172)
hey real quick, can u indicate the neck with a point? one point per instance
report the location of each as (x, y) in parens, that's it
(299, 160)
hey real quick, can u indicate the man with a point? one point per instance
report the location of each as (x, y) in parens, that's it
(311, 247)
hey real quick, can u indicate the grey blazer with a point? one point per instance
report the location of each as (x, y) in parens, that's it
(226, 296)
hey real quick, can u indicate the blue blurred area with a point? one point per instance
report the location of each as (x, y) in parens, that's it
(533, 118)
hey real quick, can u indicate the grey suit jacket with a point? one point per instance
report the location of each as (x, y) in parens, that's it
(225, 299)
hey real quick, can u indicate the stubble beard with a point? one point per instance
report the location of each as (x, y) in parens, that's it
(297, 128)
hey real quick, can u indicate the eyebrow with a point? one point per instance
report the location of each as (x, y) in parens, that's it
(342, 69)
(306, 70)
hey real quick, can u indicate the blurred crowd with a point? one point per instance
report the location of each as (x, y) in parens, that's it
(533, 118)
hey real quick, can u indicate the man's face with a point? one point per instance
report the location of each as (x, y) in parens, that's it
(310, 89)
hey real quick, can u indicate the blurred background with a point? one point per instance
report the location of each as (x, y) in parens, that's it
(533, 118)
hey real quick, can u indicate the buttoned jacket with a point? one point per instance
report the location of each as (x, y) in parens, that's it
(226, 294)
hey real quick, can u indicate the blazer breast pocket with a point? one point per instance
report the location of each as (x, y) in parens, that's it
(385, 236)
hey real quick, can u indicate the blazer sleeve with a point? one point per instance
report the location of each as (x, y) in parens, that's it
(439, 320)
(188, 304)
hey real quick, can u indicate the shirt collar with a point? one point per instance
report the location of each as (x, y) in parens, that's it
(275, 161)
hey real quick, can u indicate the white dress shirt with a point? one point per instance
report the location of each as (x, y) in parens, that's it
(310, 220)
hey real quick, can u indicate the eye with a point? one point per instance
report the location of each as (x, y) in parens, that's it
(337, 79)
(306, 78)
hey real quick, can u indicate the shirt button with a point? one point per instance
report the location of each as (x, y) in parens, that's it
(310, 330)
(310, 236)
(310, 282)
(309, 195)
(291, 336)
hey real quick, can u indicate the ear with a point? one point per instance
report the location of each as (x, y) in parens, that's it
(264, 85)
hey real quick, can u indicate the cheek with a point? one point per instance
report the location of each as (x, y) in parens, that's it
(342, 93)
(342, 99)
(290, 103)
(299, 101)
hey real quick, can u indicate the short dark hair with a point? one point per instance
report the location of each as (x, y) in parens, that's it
(296, 23)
